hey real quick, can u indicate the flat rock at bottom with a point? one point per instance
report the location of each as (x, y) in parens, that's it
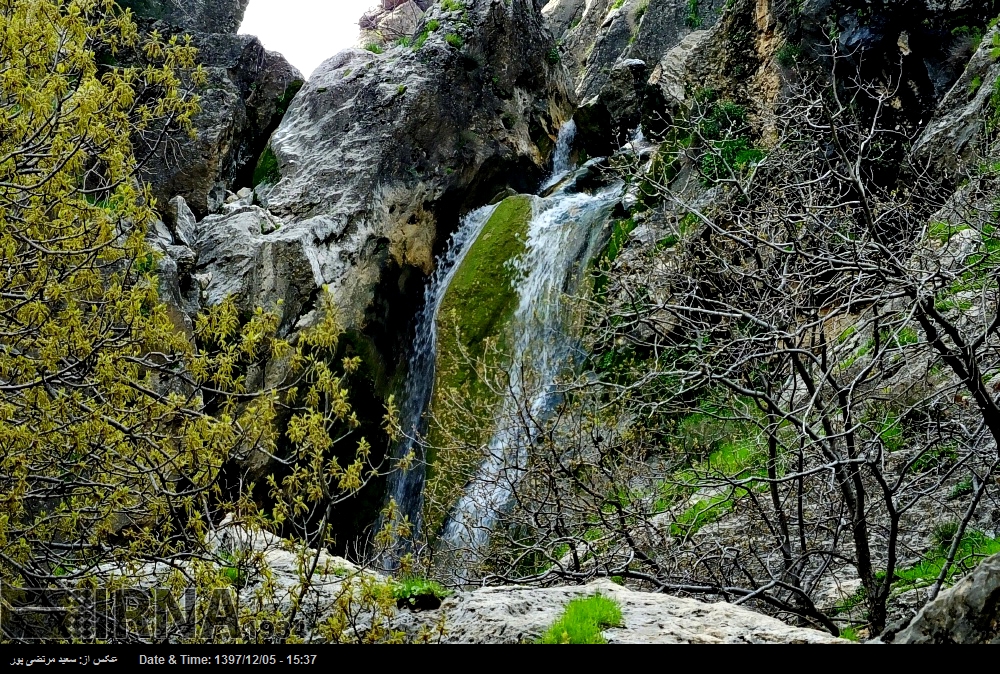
(505, 615)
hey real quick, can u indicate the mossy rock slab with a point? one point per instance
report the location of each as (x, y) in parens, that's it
(471, 335)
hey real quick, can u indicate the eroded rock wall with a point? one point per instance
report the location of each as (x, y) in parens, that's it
(247, 91)
(379, 153)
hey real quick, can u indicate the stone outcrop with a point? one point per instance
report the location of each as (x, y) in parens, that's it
(968, 613)
(609, 47)
(199, 16)
(390, 23)
(512, 615)
(246, 93)
(247, 253)
(950, 137)
(379, 153)
(492, 615)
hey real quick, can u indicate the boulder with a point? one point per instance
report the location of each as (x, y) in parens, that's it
(968, 613)
(669, 76)
(200, 16)
(513, 615)
(181, 221)
(561, 15)
(248, 254)
(390, 24)
(380, 153)
(246, 92)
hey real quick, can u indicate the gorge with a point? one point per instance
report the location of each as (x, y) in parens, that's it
(691, 305)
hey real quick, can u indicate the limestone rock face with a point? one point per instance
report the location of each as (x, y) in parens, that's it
(379, 153)
(201, 16)
(561, 15)
(669, 75)
(598, 35)
(247, 91)
(968, 613)
(248, 254)
(511, 615)
(950, 136)
(390, 24)
(610, 52)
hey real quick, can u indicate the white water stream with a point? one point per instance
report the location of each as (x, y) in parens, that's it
(563, 235)
(406, 488)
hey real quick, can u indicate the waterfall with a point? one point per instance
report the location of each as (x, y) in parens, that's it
(406, 488)
(562, 237)
(561, 165)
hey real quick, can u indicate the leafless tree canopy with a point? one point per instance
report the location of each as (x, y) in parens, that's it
(795, 369)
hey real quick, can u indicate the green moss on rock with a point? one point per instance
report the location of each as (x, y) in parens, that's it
(472, 322)
(285, 99)
(267, 170)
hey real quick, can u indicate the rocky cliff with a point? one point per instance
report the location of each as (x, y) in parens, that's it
(246, 94)
(354, 181)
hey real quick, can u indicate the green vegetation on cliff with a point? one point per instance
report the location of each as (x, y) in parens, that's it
(267, 170)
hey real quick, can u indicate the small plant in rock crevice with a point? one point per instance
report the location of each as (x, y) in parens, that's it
(583, 621)
(419, 593)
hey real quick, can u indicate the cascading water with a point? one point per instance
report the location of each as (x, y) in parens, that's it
(561, 157)
(562, 236)
(406, 488)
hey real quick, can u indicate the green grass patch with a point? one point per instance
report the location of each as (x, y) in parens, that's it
(418, 593)
(454, 40)
(285, 99)
(943, 231)
(860, 353)
(583, 621)
(940, 455)
(231, 570)
(693, 18)
(701, 513)
(891, 432)
(421, 38)
(974, 547)
(374, 47)
(850, 633)
(619, 236)
(963, 488)
(789, 54)
(737, 458)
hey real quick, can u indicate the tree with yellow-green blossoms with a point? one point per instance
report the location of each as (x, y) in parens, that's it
(114, 428)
